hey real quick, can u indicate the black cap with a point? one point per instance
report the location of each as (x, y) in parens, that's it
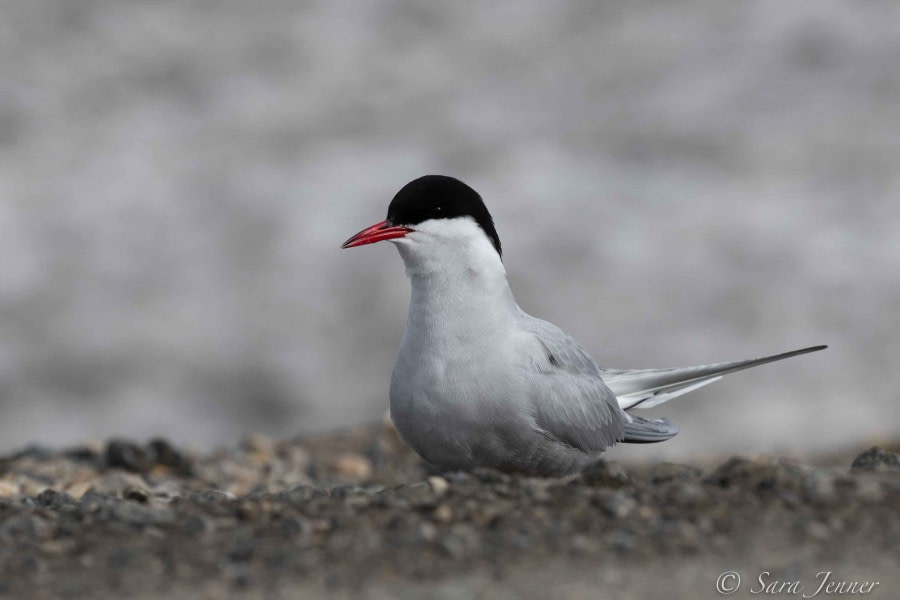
(441, 197)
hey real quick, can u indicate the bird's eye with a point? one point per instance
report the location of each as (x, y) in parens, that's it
(437, 211)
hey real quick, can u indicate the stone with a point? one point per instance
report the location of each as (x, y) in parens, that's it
(136, 494)
(9, 488)
(443, 514)
(123, 454)
(817, 530)
(877, 459)
(53, 499)
(352, 465)
(165, 454)
(604, 473)
(734, 470)
(665, 472)
(618, 504)
(687, 494)
(439, 485)
(819, 487)
(115, 483)
(77, 490)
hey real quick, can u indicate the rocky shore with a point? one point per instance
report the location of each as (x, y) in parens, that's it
(358, 514)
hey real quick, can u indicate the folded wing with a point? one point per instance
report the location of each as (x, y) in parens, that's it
(569, 400)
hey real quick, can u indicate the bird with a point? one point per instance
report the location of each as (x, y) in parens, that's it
(478, 382)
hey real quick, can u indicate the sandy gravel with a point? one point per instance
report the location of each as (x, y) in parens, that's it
(356, 514)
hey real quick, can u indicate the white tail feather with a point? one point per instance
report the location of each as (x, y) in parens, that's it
(651, 399)
(646, 388)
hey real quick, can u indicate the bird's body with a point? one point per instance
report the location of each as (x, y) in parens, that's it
(463, 391)
(480, 383)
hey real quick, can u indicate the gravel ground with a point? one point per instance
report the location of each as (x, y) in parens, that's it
(358, 514)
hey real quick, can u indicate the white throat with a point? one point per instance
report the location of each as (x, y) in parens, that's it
(459, 286)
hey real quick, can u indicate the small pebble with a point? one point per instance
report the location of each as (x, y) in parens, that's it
(123, 454)
(665, 472)
(53, 499)
(619, 504)
(165, 454)
(819, 487)
(686, 493)
(604, 473)
(9, 488)
(77, 490)
(817, 531)
(136, 494)
(353, 466)
(428, 532)
(869, 489)
(114, 483)
(443, 514)
(439, 485)
(877, 459)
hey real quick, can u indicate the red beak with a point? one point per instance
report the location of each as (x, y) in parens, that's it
(377, 233)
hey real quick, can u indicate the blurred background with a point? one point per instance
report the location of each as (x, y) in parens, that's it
(674, 183)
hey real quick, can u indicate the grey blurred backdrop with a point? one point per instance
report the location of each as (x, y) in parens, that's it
(674, 183)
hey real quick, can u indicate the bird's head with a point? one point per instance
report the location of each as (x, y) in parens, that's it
(436, 219)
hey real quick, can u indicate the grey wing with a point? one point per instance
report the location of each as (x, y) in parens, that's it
(570, 401)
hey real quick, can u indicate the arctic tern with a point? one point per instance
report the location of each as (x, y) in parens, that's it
(480, 383)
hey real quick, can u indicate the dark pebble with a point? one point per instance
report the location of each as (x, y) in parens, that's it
(345, 491)
(195, 524)
(136, 494)
(665, 472)
(122, 454)
(490, 476)
(84, 454)
(292, 526)
(452, 546)
(744, 472)
(418, 495)
(52, 499)
(92, 501)
(34, 451)
(212, 497)
(242, 550)
(459, 477)
(303, 494)
(139, 515)
(686, 494)
(617, 504)
(778, 479)
(164, 453)
(243, 581)
(604, 473)
(877, 459)
(622, 541)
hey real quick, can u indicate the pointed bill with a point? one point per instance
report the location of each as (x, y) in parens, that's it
(377, 233)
